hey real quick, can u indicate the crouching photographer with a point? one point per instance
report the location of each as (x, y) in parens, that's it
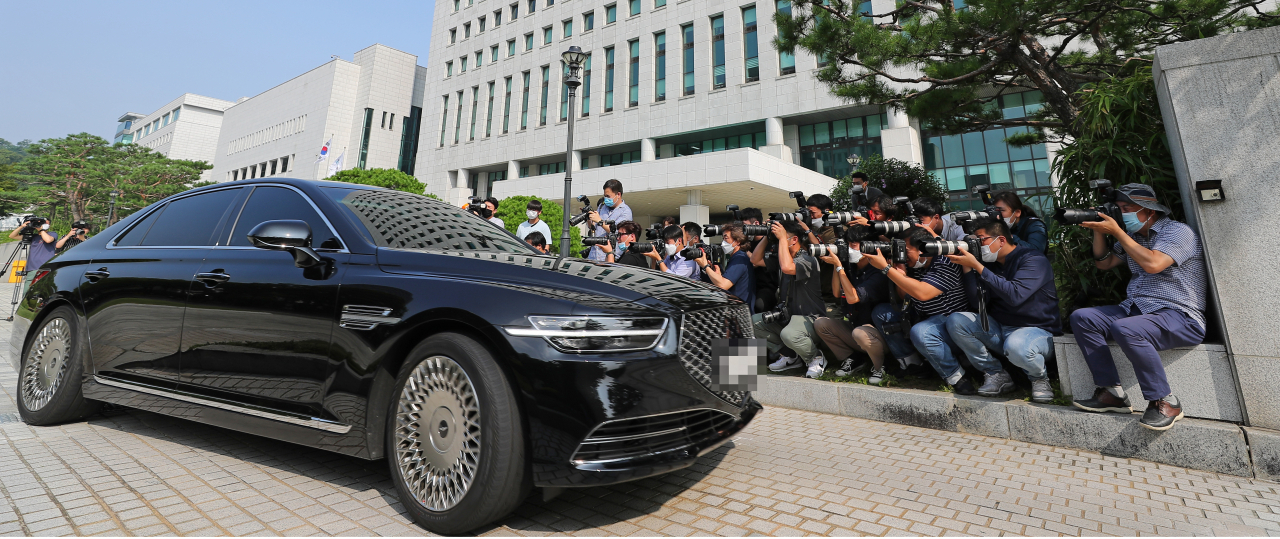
(738, 275)
(790, 324)
(36, 231)
(79, 232)
(1017, 303)
(860, 289)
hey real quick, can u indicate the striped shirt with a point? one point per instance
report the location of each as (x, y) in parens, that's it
(1181, 286)
(944, 275)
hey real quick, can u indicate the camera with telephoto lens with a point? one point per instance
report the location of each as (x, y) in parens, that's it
(1106, 194)
(891, 328)
(889, 228)
(802, 210)
(780, 315)
(711, 231)
(858, 198)
(583, 213)
(910, 209)
(895, 251)
(990, 211)
(841, 217)
(757, 230)
(642, 247)
(611, 239)
(714, 253)
(840, 250)
(970, 243)
(35, 224)
(79, 227)
(477, 207)
(654, 232)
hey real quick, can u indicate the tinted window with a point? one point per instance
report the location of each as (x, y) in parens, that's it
(134, 236)
(277, 203)
(408, 221)
(191, 220)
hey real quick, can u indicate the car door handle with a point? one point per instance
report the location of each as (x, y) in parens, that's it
(97, 275)
(212, 279)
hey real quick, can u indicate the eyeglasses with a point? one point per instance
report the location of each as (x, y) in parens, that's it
(985, 238)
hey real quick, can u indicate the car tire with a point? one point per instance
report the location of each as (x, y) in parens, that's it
(51, 374)
(453, 417)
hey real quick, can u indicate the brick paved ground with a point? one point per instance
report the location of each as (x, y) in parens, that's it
(790, 473)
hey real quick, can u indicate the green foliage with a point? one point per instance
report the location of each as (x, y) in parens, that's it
(381, 177)
(937, 62)
(1121, 139)
(511, 211)
(894, 177)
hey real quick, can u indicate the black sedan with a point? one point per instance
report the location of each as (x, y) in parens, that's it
(377, 323)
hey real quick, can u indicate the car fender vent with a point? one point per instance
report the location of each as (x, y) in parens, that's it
(365, 317)
(623, 439)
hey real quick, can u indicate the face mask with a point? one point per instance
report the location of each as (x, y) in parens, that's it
(622, 246)
(1131, 222)
(531, 214)
(727, 246)
(988, 255)
(1008, 221)
(855, 257)
(920, 263)
(44, 226)
(672, 249)
(608, 202)
(819, 222)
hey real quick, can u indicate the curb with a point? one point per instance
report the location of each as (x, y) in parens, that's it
(1211, 446)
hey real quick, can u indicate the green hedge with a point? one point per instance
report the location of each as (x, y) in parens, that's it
(511, 211)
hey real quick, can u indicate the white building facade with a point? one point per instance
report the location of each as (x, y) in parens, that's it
(684, 101)
(185, 128)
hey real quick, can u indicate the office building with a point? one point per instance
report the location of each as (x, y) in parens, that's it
(185, 128)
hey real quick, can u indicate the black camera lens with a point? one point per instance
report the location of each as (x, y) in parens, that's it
(592, 241)
(712, 230)
(1076, 216)
(642, 247)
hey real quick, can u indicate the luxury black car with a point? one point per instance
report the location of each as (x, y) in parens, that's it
(384, 324)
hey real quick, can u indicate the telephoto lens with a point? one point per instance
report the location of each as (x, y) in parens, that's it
(889, 228)
(780, 316)
(596, 240)
(962, 216)
(1075, 216)
(693, 251)
(943, 247)
(712, 230)
(789, 217)
(642, 247)
(873, 247)
(841, 217)
(755, 230)
(841, 252)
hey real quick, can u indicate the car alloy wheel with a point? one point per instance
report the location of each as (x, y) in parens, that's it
(47, 363)
(437, 433)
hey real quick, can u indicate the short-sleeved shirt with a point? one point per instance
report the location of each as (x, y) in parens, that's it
(739, 270)
(41, 252)
(808, 291)
(524, 229)
(679, 265)
(619, 213)
(944, 275)
(1182, 286)
(498, 222)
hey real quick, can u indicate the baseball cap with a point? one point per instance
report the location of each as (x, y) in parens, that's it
(1141, 195)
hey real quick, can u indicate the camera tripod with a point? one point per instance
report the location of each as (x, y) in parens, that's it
(21, 253)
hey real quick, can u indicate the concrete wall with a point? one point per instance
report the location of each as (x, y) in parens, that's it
(1220, 99)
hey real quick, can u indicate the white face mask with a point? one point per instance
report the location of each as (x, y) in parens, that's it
(672, 249)
(855, 256)
(531, 214)
(1008, 221)
(44, 226)
(988, 255)
(819, 222)
(920, 263)
(727, 246)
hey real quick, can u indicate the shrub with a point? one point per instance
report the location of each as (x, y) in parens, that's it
(382, 177)
(894, 177)
(511, 211)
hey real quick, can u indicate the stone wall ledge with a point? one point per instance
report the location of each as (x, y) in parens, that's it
(1212, 446)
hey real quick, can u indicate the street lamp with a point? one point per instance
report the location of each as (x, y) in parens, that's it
(573, 59)
(111, 216)
(853, 159)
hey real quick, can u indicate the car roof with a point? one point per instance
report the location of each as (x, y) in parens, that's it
(295, 182)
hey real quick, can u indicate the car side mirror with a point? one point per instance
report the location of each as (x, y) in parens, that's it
(286, 235)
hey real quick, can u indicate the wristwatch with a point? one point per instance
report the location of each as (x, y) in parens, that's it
(1103, 257)
(885, 271)
(840, 269)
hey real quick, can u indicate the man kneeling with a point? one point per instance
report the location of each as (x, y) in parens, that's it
(1022, 311)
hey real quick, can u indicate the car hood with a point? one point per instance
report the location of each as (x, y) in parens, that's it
(585, 282)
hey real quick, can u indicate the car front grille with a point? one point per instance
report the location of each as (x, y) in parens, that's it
(643, 436)
(697, 331)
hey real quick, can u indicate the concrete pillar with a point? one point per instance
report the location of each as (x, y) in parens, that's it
(576, 165)
(791, 137)
(901, 138)
(897, 118)
(666, 151)
(458, 190)
(647, 150)
(694, 210)
(513, 170)
(775, 140)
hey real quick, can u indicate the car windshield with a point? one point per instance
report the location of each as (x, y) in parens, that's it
(407, 221)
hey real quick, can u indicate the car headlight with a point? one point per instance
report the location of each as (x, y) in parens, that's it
(578, 334)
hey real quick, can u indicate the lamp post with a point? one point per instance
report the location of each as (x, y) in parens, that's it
(853, 160)
(572, 58)
(111, 215)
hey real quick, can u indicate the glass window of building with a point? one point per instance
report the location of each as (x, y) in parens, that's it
(687, 32)
(506, 109)
(448, 68)
(175, 113)
(610, 13)
(457, 4)
(546, 35)
(633, 68)
(528, 41)
(524, 104)
(475, 107)
(453, 35)
(492, 177)
(749, 140)
(659, 3)
(549, 168)
(497, 18)
(588, 21)
(463, 62)
(717, 52)
(515, 10)
(608, 79)
(967, 160)
(479, 58)
(493, 54)
(568, 27)
(482, 21)
(825, 147)
(586, 87)
(511, 48)
(533, 5)
(457, 122)
(165, 120)
(466, 30)
(546, 86)
(623, 158)
(660, 66)
(750, 46)
(564, 92)
(488, 117)
(444, 120)
(634, 7)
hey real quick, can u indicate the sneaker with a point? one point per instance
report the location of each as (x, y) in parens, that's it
(1041, 391)
(877, 376)
(1104, 401)
(848, 368)
(996, 384)
(1161, 414)
(964, 387)
(785, 363)
(816, 367)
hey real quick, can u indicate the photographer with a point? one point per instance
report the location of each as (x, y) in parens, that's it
(1027, 228)
(42, 241)
(861, 288)
(738, 275)
(800, 303)
(675, 263)
(930, 214)
(491, 204)
(627, 232)
(613, 209)
(538, 241)
(934, 296)
(533, 211)
(1164, 308)
(872, 193)
(1022, 312)
(79, 232)
(692, 232)
(881, 209)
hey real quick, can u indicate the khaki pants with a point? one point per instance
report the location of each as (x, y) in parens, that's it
(844, 340)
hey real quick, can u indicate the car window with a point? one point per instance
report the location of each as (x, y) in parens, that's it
(275, 203)
(192, 220)
(134, 236)
(408, 221)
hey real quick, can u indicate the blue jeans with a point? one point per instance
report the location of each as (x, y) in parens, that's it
(1027, 348)
(931, 339)
(899, 346)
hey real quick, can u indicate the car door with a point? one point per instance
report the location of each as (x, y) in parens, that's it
(258, 328)
(135, 295)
